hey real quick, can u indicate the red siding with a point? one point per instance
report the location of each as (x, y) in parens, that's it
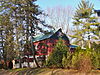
(45, 50)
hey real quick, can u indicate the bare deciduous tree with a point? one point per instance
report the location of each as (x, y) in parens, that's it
(59, 17)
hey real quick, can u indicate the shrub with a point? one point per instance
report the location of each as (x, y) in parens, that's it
(95, 58)
(81, 60)
(55, 58)
(67, 60)
(96, 55)
(85, 64)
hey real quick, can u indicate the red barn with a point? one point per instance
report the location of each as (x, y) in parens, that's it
(44, 44)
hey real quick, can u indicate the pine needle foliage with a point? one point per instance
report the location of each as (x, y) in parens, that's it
(55, 58)
(85, 23)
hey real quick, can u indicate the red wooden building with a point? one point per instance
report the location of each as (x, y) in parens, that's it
(44, 44)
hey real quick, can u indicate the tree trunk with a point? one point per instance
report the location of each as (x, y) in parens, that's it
(20, 64)
(5, 63)
(33, 50)
(28, 62)
(34, 57)
(89, 42)
(82, 44)
(6, 66)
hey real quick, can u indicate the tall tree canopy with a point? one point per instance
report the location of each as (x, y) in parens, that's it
(86, 24)
(19, 20)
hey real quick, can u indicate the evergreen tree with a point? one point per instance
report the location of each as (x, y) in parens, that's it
(55, 59)
(8, 52)
(85, 24)
(1, 38)
(24, 14)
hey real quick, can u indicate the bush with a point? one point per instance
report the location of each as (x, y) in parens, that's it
(81, 60)
(85, 64)
(55, 58)
(67, 60)
(95, 58)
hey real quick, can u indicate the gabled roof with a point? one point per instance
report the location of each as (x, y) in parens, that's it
(98, 12)
(43, 36)
(54, 35)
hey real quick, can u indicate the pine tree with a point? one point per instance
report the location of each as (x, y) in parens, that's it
(1, 38)
(8, 52)
(85, 23)
(55, 59)
(23, 13)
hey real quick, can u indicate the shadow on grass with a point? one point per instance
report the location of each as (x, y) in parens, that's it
(45, 71)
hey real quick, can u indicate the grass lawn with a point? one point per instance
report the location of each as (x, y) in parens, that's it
(45, 71)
